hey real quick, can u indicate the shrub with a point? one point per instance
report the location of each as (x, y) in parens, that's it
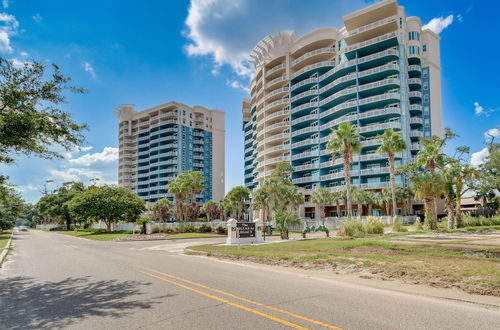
(374, 226)
(156, 230)
(201, 219)
(470, 221)
(221, 230)
(187, 229)
(398, 227)
(205, 228)
(351, 228)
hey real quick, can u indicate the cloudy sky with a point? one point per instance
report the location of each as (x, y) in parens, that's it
(150, 52)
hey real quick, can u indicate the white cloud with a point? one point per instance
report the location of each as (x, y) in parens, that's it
(17, 63)
(438, 24)
(5, 4)
(108, 155)
(480, 157)
(227, 30)
(37, 18)
(493, 132)
(238, 85)
(24, 54)
(479, 110)
(8, 28)
(89, 68)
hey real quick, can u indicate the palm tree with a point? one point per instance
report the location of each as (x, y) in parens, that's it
(194, 183)
(428, 186)
(386, 200)
(321, 197)
(178, 189)
(337, 197)
(161, 209)
(359, 197)
(391, 143)
(260, 201)
(284, 219)
(345, 141)
(237, 197)
(371, 199)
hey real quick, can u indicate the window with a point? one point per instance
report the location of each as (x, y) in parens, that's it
(424, 48)
(426, 98)
(426, 110)
(183, 112)
(414, 50)
(427, 122)
(413, 35)
(190, 115)
(426, 85)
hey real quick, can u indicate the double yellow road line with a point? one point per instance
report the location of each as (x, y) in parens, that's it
(195, 287)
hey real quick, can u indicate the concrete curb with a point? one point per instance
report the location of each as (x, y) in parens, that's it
(193, 252)
(6, 249)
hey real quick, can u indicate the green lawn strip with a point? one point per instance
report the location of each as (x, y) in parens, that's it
(439, 266)
(97, 237)
(4, 238)
(191, 235)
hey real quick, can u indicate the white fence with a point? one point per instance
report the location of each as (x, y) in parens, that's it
(335, 222)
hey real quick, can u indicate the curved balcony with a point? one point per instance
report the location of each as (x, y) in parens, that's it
(281, 147)
(277, 103)
(305, 119)
(308, 105)
(337, 108)
(306, 179)
(415, 82)
(349, 92)
(389, 68)
(380, 112)
(415, 96)
(277, 160)
(306, 154)
(276, 137)
(279, 91)
(277, 81)
(416, 134)
(414, 69)
(416, 108)
(306, 167)
(391, 53)
(338, 81)
(305, 94)
(337, 69)
(335, 122)
(370, 42)
(387, 83)
(277, 68)
(306, 130)
(379, 127)
(314, 66)
(326, 50)
(371, 142)
(305, 82)
(277, 114)
(416, 147)
(272, 127)
(306, 142)
(373, 25)
(392, 97)
(416, 121)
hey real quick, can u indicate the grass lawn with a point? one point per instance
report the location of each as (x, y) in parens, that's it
(97, 237)
(4, 238)
(378, 257)
(189, 235)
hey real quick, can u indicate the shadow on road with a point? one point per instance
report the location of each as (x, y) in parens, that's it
(25, 304)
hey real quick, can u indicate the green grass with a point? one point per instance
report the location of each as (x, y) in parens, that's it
(97, 237)
(439, 266)
(189, 235)
(4, 238)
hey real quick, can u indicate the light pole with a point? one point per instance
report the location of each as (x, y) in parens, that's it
(45, 191)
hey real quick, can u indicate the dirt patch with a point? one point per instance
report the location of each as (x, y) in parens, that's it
(361, 250)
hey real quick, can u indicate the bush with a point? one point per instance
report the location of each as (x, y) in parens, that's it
(221, 230)
(352, 228)
(201, 219)
(92, 230)
(374, 226)
(205, 228)
(187, 229)
(470, 221)
(156, 230)
(398, 227)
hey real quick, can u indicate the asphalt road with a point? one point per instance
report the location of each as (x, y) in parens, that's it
(56, 281)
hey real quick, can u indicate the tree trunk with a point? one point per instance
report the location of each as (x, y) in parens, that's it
(68, 222)
(347, 171)
(458, 206)
(360, 210)
(370, 207)
(451, 212)
(338, 209)
(108, 222)
(393, 183)
(429, 206)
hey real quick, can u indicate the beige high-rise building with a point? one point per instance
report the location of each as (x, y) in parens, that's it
(157, 144)
(380, 70)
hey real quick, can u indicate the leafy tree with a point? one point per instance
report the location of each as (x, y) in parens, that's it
(185, 187)
(345, 141)
(11, 207)
(30, 120)
(391, 143)
(29, 217)
(177, 188)
(371, 198)
(321, 197)
(108, 203)
(236, 198)
(55, 205)
(284, 219)
(194, 183)
(212, 210)
(162, 209)
(226, 208)
(260, 201)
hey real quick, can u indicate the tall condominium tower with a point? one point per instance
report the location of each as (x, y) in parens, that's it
(157, 144)
(381, 70)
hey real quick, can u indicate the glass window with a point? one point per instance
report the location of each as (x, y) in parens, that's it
(426, 98)
(190, 115)
(427, 122)
(424, 48)
(426, 85)
(426, 110)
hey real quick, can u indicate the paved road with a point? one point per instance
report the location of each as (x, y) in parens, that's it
(57, 281)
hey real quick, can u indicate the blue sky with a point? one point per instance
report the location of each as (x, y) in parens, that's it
(150, 52)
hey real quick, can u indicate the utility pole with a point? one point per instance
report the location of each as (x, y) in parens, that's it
(45, 191)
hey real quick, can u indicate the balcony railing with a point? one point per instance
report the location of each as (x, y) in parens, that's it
(307, 81)
(306, 154)
(307, 105)
(305, 142)
(283, 89)
(379, 127)
(350, 90)
(277, 80)
(307, 55)
(373, 25)
(302, 119)
(378, 98)
(416, 120)
(312, 67)
(305, 94)
(415, 133)
(339, 107)
(350, 76)
(337, 69)
(305, 130)
(276, 68)
(372, 41)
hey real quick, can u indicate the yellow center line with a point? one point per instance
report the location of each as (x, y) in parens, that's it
(276, 309)
(206, 294)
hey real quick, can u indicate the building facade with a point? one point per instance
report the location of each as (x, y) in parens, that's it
(381, 70)
(157, 144)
